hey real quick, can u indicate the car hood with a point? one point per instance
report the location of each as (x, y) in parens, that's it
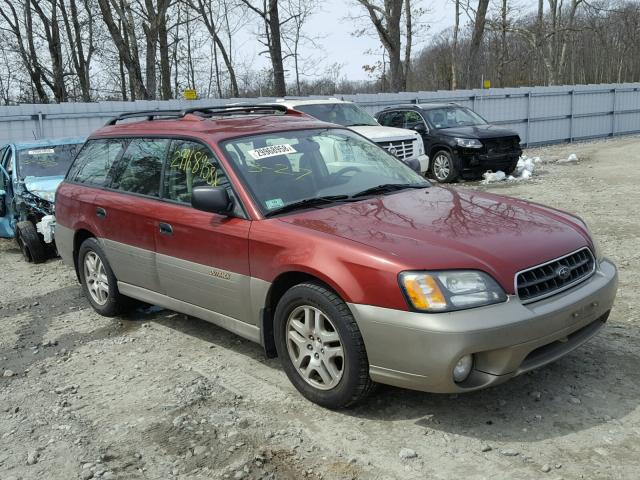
(43, 187)
(378, 133)
(478, 131)
(444, 228)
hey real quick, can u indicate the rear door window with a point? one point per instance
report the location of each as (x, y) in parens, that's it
(140, 168)
(94, 162)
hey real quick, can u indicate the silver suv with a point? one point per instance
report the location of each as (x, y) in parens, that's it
(404, 144)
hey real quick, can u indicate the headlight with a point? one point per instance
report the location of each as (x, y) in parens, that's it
(450, 290)
(468, 143)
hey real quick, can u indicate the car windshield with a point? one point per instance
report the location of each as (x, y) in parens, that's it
(49, 161)
(330, 165)
(345, 114)
(450, 117)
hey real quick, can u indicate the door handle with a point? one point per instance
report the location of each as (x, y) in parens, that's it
(101, 212)
(166, 229)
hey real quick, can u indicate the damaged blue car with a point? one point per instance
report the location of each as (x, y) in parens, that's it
(29, 176)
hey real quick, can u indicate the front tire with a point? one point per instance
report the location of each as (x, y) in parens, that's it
(99, 284)
(33, 250)
(320, 346)
(444, 167)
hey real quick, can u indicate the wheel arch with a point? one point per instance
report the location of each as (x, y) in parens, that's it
(78, 238)
(281, 284)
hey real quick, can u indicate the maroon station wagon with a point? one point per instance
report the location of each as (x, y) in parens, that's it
(335, 256)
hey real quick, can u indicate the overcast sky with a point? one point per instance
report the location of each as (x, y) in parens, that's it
(341, 47)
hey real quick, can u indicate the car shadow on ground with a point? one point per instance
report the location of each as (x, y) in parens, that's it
(596, 384)
(592, 386)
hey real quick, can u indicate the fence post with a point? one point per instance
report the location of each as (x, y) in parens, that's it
(40, 126)
(571, 119)
(528, 118)
(613, 113)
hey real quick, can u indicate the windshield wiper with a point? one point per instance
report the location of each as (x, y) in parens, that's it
(307, 202)
(361, 125)
(387, 187)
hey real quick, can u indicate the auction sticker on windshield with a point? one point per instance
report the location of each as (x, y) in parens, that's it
(42, 151)
(271, 151)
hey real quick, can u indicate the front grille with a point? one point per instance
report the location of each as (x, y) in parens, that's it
(554, 276)
(403, 148)
(501, 145)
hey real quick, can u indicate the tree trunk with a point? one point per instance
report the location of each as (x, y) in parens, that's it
(165, 63)
(275, 49)
(454, 50)
(474, 73)
(409, 44)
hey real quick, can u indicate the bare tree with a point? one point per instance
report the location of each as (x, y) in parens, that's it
(270, 15)
(385, 17)
(213, 21)
(473, 65)
(80, 50)
(298, 13)
(454, 48)
(28, 51)
(125, 40)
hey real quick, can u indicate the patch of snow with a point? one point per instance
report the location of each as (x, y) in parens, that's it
(524, 171)
(573, 158)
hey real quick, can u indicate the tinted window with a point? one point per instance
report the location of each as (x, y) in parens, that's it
(190, 164)
(95, 160)
(449, 117)
(49, 161)
(346, 114)
(411, 119)
(392, 119)
(139, 169)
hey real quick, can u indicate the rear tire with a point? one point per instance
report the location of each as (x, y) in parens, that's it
(444, 167)
(320, 346)
(99, 284)
(33, 249)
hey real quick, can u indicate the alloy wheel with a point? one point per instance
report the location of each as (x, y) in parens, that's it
(441, 167)
(96, 278)
(314, 347)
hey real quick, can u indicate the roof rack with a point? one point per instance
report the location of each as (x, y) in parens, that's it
(220, 110)
(150, 114)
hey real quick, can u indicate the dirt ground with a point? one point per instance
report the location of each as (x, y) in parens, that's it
(158, 395)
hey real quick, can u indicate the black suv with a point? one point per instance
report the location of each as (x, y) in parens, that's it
(459, 142)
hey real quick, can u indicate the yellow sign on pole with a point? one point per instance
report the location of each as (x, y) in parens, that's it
(190, 94)
(486, 83)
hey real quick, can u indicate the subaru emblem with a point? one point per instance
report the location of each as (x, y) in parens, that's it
(563, 272)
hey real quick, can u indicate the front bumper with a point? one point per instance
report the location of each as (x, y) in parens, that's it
(419, 350)
(474, 160)
(424, 163)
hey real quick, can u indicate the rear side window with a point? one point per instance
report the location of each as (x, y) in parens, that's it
(140, 168)
(190, 164)
(392, 119)
(94, 162)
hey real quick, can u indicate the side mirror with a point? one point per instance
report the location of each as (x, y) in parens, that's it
(420, 128)
(211, 199)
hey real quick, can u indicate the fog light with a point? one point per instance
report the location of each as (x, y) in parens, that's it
(463, 368)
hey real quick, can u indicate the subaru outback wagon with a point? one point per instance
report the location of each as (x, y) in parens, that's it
(334, 255)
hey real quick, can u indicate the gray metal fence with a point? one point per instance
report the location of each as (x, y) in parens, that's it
(539, 114)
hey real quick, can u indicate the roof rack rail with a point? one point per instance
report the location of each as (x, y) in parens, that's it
(220, 110)
(235, 109)
(150, 114)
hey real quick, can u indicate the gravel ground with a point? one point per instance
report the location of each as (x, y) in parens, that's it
(158, 395)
